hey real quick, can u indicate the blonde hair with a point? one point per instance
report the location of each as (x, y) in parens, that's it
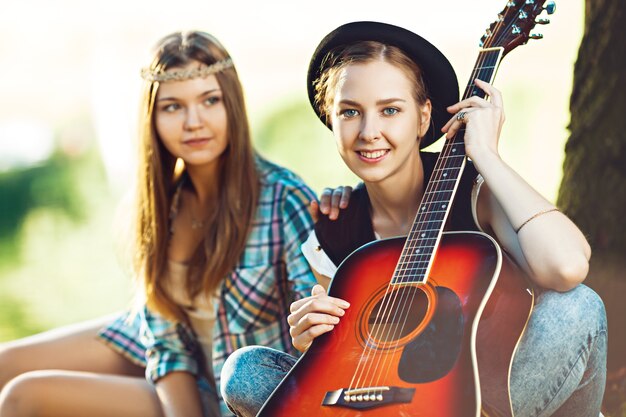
(359, 53)
(238, 182)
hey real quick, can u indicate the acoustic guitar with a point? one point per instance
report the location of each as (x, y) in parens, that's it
(435, 317)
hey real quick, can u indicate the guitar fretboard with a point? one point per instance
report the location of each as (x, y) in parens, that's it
(423, 238)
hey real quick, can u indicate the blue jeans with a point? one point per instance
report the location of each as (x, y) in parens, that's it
(559, 368)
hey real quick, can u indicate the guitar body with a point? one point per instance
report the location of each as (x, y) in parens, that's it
(414, 349)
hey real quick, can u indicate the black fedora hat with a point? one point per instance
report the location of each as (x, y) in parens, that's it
(438, 74)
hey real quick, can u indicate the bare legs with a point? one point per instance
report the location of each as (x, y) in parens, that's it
(68, 372)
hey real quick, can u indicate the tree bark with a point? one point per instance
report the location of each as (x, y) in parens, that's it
(593, 189)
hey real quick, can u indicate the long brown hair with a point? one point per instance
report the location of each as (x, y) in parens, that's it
(362, 52)
(238, 184)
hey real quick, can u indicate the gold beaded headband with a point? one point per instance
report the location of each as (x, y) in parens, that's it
(186, 74)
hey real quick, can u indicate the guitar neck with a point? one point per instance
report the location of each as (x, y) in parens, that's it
(425, 233)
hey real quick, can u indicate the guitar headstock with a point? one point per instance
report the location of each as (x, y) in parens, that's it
(514, 24)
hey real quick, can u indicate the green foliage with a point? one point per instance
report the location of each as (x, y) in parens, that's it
(51, 185)
(593, 191)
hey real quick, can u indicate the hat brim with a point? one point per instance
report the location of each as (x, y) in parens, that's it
(438, 74)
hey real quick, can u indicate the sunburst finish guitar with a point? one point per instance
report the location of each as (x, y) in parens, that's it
(435, 318)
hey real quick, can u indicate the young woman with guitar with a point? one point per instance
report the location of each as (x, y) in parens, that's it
(434, 324)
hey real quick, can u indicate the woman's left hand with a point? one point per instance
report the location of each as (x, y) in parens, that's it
(483, 121)
(331, 202)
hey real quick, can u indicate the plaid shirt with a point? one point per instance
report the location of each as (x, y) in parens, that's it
(254, 299)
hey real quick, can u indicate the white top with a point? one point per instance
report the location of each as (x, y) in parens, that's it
(316, 257)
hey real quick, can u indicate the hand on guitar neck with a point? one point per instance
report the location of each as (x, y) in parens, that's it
(482, 119)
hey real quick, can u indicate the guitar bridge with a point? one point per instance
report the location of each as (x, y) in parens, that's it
(368, 397)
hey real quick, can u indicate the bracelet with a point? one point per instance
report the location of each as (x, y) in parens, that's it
(534, 216)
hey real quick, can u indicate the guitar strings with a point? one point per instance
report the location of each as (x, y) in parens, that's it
(368, 365)
(386, 310)
(413, 255)
(432, 221)
(404, 298)
(429, 219)
(490, 58)
(411, 270)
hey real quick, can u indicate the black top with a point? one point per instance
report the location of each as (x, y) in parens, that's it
(339, 238)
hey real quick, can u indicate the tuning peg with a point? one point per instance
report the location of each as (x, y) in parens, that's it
(542, 21)
(550, 7)
(536, 36)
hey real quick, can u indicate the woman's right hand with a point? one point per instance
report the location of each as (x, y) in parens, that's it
(313, 316)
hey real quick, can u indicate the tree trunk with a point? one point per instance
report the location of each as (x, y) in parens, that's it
(593, 189)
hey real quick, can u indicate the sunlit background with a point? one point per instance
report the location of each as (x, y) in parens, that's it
(69, 88)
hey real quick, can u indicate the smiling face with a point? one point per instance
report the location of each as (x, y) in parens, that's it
(377, 121)
(191, 119)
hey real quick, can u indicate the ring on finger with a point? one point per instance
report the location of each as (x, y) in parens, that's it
(461, 117)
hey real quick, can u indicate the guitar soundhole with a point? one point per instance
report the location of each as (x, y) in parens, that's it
(397, 314)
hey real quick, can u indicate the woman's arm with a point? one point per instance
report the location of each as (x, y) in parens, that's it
(171, 365)
(547, 244)
(179, 395)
